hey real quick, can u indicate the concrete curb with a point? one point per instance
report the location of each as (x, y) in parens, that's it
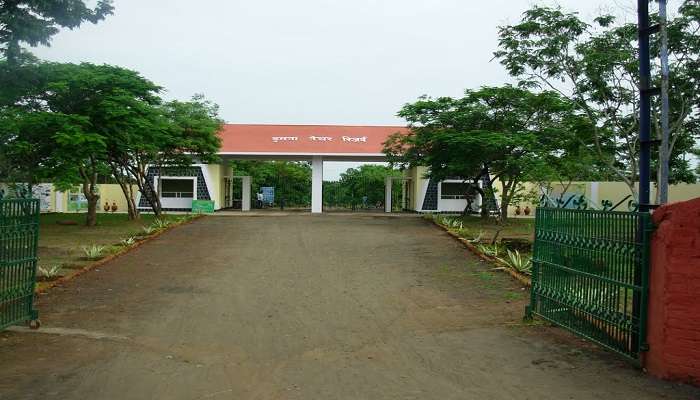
(524, 279)
(110, 257)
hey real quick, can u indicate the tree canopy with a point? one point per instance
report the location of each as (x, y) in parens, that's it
(494, 133)
(34, 22)
(595, 65)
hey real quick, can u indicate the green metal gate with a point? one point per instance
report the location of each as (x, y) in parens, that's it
(19, 237)
(590, 275)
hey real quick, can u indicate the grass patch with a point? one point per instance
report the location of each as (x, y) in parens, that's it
(65, 245)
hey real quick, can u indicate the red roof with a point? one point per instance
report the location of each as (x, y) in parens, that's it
(305, 139)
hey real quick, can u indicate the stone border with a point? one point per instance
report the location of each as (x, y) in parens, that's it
(524, 279)
(110, 257)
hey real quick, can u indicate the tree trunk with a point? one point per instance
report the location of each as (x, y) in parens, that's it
(91, 195)
(128, 191)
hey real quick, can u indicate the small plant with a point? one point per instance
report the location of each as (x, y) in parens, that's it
(49, 272)
(477, 238)
(491, 250)
(147, 230)
(519, 263)
(160, 224)
(128, 242)
(93, 252)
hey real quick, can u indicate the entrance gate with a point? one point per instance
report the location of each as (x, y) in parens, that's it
(590, 275)
(19, 236)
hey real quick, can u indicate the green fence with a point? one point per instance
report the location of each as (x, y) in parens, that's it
(590, 274)
(19, 236)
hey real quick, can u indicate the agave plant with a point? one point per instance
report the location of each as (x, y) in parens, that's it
(477, 238)
(49, 272)
(160, 224)
(147, 230)
(491, 250)
(519, 263)
(128, 241)
(93, 252)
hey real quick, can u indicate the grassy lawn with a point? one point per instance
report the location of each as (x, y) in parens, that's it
(514, 228)
(62, 245)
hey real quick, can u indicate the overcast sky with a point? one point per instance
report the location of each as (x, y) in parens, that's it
(304, 61)
(307, 61)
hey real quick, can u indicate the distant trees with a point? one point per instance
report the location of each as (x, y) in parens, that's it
(363, 186)
(291, 179)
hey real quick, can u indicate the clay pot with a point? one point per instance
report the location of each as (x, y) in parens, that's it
(114, 206)
(527, 210)
(517, 210)
(106, 206)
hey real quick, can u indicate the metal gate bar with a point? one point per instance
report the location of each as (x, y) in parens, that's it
(19, 237)
(590, 275)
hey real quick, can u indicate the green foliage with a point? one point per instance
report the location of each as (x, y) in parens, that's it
(291, 179)
(595, 65)
(71, 123)
(49, 272)
(506, 133)
(128, 242)
(364, 186)
(518, 262)
(34, 22)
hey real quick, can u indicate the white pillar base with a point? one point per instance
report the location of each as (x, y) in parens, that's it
(387, 194)
(245, 193)
(317, 185)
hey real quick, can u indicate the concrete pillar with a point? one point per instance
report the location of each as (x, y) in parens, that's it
(317, 184)
(387, 194)
(245, 193)
(594, 193)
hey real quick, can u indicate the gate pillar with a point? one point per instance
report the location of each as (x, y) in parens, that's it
(387, 194)
(245, 193)
(317, 184)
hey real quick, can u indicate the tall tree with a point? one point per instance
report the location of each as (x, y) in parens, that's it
(34, 22)
(505, 133)
(596, 67)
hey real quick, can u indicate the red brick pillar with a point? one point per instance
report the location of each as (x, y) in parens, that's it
(673, 328)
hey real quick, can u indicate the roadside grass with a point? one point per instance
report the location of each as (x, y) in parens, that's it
(518, 228)
(508, 245)
(75, 246)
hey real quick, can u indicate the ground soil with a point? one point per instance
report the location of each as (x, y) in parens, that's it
(305, 307)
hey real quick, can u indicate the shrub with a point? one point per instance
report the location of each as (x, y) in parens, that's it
(128, 241)
(519, 263)
(93, 252)
(49, 272)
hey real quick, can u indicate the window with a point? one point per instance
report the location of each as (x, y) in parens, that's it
(453, 190)
(177, 188)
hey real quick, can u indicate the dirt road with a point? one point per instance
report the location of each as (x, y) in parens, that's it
(304, 307)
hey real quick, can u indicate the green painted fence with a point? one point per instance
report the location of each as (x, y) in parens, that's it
(19, 236)
(590, 275)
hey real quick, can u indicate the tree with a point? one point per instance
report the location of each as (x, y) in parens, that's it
(596, 67)
(505, 133)
(291, 179)
(35, 21)
(364, 185)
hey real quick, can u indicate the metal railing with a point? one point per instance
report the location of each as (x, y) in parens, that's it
(19, 236)
(590, 274)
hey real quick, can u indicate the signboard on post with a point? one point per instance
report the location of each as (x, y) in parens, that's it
(268, 193)
(203, 206)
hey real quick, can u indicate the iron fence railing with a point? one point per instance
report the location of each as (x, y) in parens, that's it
(590, 274)
(19, 236)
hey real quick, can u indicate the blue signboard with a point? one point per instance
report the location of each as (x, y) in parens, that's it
(268, 193)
